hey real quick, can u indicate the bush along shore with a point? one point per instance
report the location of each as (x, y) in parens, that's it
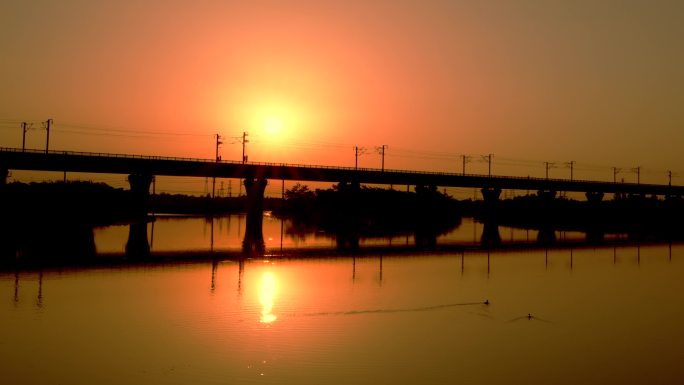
(370, 211)
(99, 204)
(648, 217)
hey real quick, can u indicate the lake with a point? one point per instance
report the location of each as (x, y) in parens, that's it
(609, 314)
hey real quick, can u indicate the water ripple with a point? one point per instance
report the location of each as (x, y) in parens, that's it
(399, 310)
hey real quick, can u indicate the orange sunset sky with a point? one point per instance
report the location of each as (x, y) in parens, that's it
(597, 82)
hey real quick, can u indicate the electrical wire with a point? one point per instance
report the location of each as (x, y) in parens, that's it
(314, 145)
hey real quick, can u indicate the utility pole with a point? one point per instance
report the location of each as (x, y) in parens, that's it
(465, 159)
(24, 127)
(218, 158)
(669, 178)
(571, 164)
(489, 161)
(47, 124)
(218, 143)
(244, 141)
(358, 151)
(548, 165)
(615, 172)
(381, 151)
(638, 172)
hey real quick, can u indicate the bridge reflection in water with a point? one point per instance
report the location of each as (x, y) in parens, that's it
(478, 261)
(163, 238)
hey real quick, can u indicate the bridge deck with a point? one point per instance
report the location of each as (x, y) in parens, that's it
(11, 158)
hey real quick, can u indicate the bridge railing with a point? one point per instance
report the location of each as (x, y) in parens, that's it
(271, 164)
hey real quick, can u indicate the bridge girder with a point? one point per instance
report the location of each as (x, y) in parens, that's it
(127, 164)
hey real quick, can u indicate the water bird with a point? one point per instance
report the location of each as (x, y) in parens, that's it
(529, 317)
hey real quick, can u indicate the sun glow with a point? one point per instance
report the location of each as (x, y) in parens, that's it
(276, 125)
(274, 121)
(273, 125)
(267, 293)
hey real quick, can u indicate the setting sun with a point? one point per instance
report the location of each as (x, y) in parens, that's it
(273, 125)
(273, 120)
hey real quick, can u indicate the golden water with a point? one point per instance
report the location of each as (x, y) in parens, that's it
(598, 316)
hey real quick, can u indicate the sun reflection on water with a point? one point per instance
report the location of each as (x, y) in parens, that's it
(267, 293)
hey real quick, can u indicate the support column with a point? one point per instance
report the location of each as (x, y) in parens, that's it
(673, 205)
(137, 245)
(637, 197)
(253, 243)
(594, 197)
(3, 190)
(595, 218)
(546, 235)
(490, 230)
(490, 235)
(491, 194)
(348, 216)
(140, 193)
(8, 230)
(428, 217)
(546, 217)
(594, 235)
(546, 195)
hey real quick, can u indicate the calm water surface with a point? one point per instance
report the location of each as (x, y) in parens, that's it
(598, 316)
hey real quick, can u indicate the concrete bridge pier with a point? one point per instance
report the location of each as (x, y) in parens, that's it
(546, 195)
(7, 228)
(140, 193)
(546, 203)
(137, 245)
(594, 196)
(594, 235)
(427, 221)
(490, 234)
(595, 230)
(490, 231)
(348, 216)
(546, 217)
(491, 195)
(253, 243)
(674, 204)
(546, 235)
(347, 240)
(636, 197)
(3, 187)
